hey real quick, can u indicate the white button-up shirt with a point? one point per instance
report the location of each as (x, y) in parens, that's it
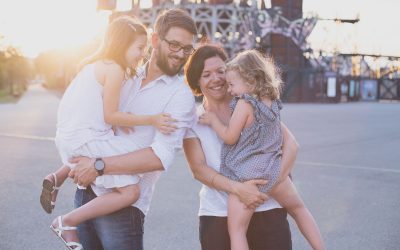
(166, 94)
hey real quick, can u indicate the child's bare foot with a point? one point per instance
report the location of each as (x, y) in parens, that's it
(49, 193)
(66, 233)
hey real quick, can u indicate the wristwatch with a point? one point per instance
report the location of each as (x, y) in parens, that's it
(99, 165)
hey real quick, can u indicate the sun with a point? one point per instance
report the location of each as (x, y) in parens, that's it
(35, 26)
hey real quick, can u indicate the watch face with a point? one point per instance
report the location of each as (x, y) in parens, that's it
(99, 164)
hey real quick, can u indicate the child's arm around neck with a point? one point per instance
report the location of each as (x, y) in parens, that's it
(242, 117)
(112, 76)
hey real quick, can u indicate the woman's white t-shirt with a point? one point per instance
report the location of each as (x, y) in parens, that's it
(212, 201)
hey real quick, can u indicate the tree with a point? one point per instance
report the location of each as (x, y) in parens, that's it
(18, 69)
(58, 67)
(15, 70)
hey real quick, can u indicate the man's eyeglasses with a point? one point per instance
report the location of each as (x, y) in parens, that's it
(176, 47)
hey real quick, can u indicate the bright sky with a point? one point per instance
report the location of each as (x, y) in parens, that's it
(376, 33)
(38, 25)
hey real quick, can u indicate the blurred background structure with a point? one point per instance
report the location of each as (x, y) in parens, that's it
(281, 30)
(278, 28)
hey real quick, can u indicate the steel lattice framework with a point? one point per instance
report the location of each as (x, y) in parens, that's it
(236, 27)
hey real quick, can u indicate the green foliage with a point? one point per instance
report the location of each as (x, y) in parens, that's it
(58, 67)
(15, 71)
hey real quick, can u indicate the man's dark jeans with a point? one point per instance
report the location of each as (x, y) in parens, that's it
(268, 230)
(122, 230)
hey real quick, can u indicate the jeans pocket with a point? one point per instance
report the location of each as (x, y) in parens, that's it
(78, 200)
(137, 219)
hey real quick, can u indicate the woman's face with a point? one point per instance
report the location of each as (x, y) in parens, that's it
(136, 51)
(212, 80)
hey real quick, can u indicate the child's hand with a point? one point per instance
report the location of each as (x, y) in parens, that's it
(207, 118)
(164, 123)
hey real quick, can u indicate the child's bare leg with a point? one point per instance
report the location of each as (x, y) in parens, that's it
(102, 205)
(286, 194)
(238, 221)
(61, 175)
(105, 204)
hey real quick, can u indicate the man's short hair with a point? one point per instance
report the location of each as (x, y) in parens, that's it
(174, 18)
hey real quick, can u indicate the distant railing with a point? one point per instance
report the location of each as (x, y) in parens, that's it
(236, 27)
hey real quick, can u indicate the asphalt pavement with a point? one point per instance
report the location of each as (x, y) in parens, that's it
(347, 172)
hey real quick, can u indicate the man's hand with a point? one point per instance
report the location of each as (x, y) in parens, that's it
(126, 130)
(249, 194)
(84, 172)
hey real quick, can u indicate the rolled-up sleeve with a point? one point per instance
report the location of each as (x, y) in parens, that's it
(181, 106)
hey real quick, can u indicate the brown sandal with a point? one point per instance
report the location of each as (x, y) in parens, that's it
(46, 198)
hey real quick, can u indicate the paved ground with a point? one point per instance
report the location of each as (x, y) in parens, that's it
(348, 173)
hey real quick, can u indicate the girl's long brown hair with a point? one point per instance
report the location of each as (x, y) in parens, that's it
(120, 34)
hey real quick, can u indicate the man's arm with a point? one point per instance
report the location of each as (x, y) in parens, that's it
(160, 154)
(140, 161)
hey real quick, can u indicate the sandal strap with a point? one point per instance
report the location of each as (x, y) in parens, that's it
(59, 231)
(67, 228)
(56, 187)
(78, 246)
(61, 227)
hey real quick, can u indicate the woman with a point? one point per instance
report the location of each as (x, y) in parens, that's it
(268, 229)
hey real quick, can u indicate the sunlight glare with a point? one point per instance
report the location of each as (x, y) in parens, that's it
(50, 24)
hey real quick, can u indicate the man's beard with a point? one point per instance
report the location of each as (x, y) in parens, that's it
(162, 63)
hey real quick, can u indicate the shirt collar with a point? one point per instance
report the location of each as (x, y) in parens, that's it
(141, 73)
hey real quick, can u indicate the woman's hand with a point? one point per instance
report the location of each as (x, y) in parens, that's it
(164, 123)
(84, 172)
(249, 194)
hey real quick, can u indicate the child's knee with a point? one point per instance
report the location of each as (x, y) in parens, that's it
(296, 208)
(130, 193)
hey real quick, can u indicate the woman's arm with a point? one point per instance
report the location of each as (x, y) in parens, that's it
(113, 79)
(247, 192)
(242, 117)
(289, 152)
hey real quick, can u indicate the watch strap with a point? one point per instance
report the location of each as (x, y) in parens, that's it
(100, 171)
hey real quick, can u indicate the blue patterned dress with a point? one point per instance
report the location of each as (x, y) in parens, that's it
(257, 154)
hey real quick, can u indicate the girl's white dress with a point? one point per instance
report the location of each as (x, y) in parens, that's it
(82, 131)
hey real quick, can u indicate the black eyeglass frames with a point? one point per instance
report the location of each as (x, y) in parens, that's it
(176, 47)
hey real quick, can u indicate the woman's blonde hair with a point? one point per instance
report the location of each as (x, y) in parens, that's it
(259, 72)
(120, 34)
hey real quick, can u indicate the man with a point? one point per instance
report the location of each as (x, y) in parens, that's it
(158, 88)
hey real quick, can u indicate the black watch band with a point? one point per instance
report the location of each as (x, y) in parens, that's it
(99, 165)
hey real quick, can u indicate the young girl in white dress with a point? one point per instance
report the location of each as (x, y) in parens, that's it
(252, 145)
(86, 116)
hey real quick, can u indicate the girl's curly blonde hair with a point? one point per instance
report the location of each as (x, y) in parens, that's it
(259, 72)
